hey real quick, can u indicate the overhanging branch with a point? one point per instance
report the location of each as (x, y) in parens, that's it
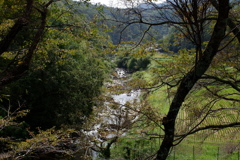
(215, 127)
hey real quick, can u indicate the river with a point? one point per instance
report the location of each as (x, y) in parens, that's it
(115, 118)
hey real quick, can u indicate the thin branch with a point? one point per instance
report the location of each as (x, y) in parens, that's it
(216, 127)
(144, 33)
(222, 97)
(182, 137)
(233, 85)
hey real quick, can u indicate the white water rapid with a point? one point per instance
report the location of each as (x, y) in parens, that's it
(116, 117)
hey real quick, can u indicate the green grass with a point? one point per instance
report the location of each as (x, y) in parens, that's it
(190, 150)
(215, 147)
(158, 99)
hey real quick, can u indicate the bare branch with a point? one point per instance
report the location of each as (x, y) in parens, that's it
(233, 85)
(216, 127)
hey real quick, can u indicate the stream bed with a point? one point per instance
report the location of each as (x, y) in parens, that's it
(116, 117)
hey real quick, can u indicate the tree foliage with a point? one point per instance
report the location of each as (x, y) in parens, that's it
(54, 60)
(131, 63)
(52, 64)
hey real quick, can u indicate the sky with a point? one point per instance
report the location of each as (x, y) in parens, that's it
(105, 2)
(115, 3)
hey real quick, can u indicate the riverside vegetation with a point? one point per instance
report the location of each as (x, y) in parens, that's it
(57, 76)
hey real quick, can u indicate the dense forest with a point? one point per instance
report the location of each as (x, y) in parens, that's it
(150, 81)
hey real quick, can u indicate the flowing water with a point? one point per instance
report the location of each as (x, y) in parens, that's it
(115, 121)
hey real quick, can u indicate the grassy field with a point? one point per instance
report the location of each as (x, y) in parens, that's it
(190, 150)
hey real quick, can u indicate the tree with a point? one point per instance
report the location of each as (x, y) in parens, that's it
(190, 18)
(20, 65)
(30, 16)
(50, 63)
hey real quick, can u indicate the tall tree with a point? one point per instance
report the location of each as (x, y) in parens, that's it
(186, 84)
(21, 32)
(51, 66)
(190, 17)
(20, 63)
(66, 72)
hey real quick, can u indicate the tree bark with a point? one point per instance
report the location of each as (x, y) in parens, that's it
(191, 78)
(15, 73)
(16, 28)
(230, 22)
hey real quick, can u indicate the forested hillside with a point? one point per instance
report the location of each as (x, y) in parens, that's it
(150, 81)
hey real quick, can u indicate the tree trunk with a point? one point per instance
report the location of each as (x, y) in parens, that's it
(230, 22)
(192, 77)
(12, 74)
(16, 28)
